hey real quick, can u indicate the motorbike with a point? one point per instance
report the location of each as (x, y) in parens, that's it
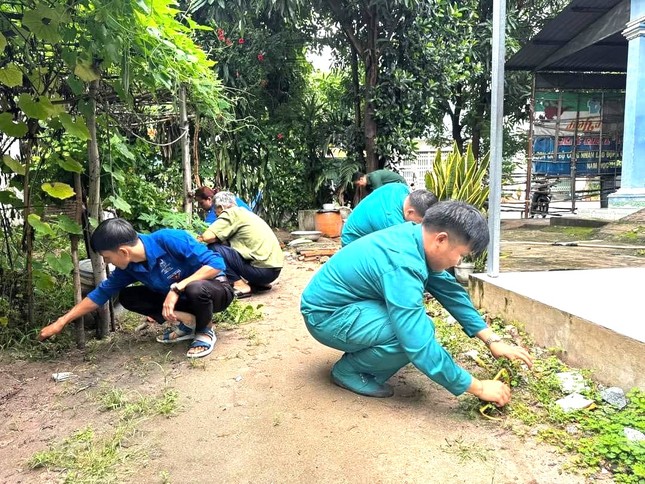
(541, 198)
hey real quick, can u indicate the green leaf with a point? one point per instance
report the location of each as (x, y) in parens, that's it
(58, 190)
(7, 197)
(67, 224)
(120, 204)
(11, 128)
(3, 42)
(61, 264)
(43, 281)
(41, 108)
(68, 164)
(39, 226)
(43, 22)
(11, 75)
(76, 128)
(85, 71)
(14, 165)
(75, 85)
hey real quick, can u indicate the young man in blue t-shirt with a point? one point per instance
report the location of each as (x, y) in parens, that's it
(183, 282)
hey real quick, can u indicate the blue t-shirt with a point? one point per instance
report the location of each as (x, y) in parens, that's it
(171, 256)
(379, 210)
(211, 216)
(390, 266)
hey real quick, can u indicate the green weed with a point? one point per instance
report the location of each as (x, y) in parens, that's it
(86, 457)
(577, 233)
(237, 314)
(464, 451)
(594, 437)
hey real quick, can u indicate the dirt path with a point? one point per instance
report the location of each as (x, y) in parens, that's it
(262, 409)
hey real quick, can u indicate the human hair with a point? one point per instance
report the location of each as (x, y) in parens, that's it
(421, 200)
(225, 200)
(204, 193)
(460, 220)
(357, 176)
(112, 234)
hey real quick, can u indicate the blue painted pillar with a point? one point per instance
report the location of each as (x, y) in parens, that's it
(632, 184)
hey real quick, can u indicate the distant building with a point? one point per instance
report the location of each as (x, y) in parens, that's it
(414, 171)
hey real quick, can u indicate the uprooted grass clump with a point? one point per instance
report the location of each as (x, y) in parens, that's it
(88, 456)
(594, 437)
(237, 314)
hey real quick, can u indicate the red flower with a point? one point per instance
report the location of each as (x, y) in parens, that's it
(260, 56)
(220, 35)
(240, 41)
(280, 136)
(228, 42)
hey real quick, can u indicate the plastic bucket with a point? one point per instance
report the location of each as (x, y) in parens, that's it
(329, 223)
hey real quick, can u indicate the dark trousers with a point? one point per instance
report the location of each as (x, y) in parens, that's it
(200, 298)
(238, 267)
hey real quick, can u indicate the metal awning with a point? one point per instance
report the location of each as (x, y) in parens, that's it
(585, 37)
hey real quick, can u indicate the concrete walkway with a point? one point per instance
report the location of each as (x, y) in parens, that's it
(594, 316)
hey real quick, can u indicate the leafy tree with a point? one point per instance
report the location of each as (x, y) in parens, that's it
(63, 66)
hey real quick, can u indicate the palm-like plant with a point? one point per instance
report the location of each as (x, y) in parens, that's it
(460, 177)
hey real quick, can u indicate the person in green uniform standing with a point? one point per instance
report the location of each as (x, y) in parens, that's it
(367, 301)
(389, 205)
(376, 179)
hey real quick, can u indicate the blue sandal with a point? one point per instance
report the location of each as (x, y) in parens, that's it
(205, 339)
(181, 332)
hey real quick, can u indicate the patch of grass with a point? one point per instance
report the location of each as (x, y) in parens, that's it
(465, 451)
(253, 337)
(577, 233)
(86, 457)
(640, 253)
(237, 314)
(165, 404)
(633, 235)
(594, 436)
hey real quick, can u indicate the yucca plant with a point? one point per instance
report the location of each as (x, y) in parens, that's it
(459, 177)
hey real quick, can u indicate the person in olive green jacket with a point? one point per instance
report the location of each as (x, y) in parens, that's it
(376, 179)
(254, 258)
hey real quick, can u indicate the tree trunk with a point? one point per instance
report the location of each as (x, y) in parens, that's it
(94, 202)
(371, 78)
(26, 149)
(480, 111)
(356, 88)
(79, 327)
(185, 152)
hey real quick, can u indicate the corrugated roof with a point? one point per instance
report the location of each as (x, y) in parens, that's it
(585, 36)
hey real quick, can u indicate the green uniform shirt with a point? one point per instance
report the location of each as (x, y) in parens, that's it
(390, 266)
(379, 178)
(379, 210)
(250, 236)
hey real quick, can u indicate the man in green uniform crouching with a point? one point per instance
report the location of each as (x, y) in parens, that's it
(367, 301)
(389, 205)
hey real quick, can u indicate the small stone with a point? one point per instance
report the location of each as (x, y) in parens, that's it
(572, 402)
(614, 396)
(571, 382)
(571, 429)
(450, 320)
(324, 259)
(633, 434)
(238, 378)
